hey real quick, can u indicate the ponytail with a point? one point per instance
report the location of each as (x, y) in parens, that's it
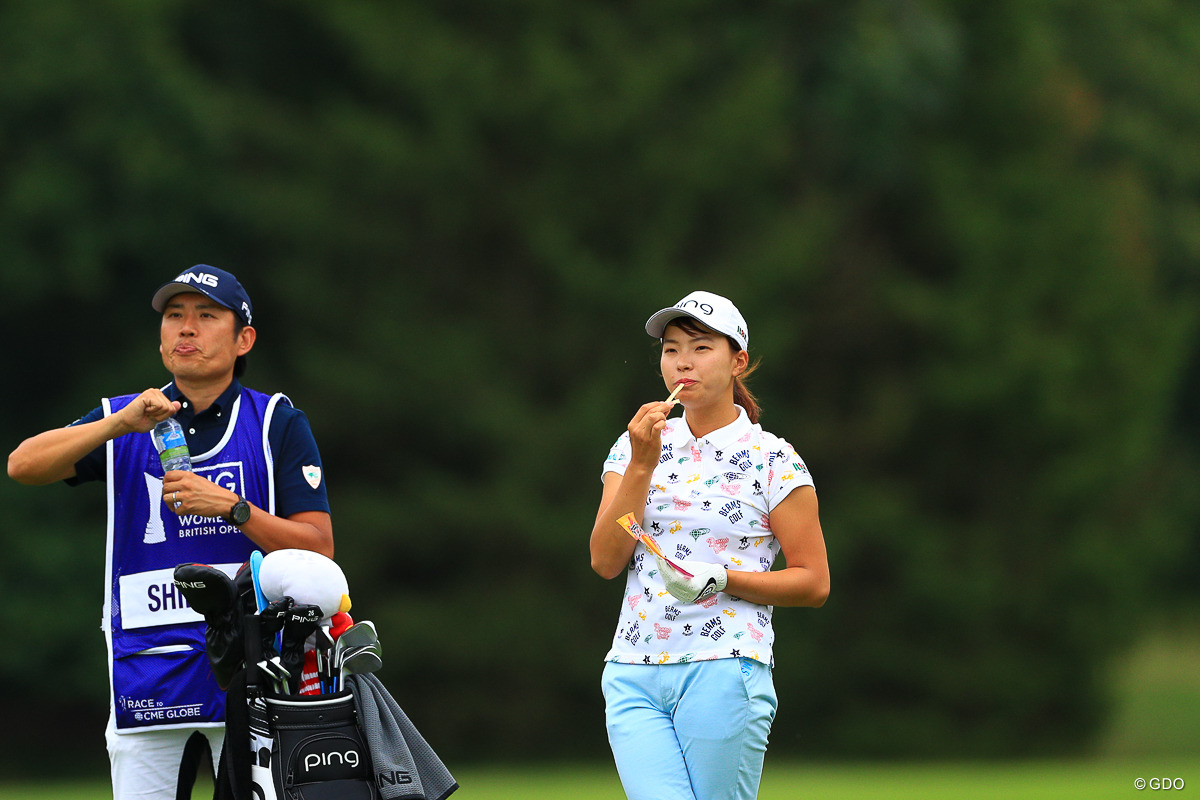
(742, 394)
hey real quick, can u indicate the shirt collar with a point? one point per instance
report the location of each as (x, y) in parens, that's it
(220, 404)
(721, 438)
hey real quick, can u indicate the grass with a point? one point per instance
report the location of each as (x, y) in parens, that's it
(994, 781)
(1155, 734)
(1001, 781)
(1157, 687)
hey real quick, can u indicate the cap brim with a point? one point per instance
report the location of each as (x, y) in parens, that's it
(169, 290)
(657, 324)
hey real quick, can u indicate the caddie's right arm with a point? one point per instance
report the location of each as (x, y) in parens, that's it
(51, 456)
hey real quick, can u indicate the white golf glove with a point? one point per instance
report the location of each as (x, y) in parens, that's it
(710, 579)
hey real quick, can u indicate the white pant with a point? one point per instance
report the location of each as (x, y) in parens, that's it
(145, 764)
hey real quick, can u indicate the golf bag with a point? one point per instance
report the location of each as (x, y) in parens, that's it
(292, 747)
(351, 744)
(309, 748)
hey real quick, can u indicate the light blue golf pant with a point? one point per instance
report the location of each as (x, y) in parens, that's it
(689, 731)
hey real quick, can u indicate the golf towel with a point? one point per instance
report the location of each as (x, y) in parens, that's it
(406, 768)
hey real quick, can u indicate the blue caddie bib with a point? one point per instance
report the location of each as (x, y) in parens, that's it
(159, 673)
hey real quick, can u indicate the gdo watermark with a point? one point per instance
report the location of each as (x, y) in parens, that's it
(1158, 784)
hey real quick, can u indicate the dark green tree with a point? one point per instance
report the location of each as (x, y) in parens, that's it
(963, 237)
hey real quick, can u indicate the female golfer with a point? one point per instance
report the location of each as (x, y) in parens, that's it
(687, 687)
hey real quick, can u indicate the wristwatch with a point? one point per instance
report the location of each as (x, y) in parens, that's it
(239, 513)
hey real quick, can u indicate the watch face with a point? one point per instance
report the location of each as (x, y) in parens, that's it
(240, 512)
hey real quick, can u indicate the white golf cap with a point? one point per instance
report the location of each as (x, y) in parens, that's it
(710, 309)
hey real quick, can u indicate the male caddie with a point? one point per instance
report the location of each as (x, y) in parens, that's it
(256, 484)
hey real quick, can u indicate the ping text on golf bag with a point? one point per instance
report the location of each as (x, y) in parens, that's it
(316, 750)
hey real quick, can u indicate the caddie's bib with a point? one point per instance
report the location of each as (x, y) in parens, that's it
(159, 673)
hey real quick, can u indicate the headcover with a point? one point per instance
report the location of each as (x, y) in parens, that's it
(308, 578)
(215, 595)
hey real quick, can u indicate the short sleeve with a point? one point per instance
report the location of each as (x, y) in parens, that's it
(299, 475)
(93, 466)
(618, 456)
(786, 471)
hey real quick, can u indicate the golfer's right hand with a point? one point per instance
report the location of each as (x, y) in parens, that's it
(645, 432)
(147, 410)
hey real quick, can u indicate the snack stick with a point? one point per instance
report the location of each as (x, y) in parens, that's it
(678, 389)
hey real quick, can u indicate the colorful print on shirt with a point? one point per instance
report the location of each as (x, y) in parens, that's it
(710, 500)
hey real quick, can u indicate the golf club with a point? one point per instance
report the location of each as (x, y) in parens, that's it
(276, 673)
(359, 661)
(324, 647)
(357, 635)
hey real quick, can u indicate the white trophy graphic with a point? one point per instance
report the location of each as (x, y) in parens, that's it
(155, 532)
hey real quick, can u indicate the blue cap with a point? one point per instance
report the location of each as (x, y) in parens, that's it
(216, 284)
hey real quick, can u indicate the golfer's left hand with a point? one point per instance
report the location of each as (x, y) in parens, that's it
(710, 579)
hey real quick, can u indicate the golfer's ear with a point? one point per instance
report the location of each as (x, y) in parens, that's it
(741, 360)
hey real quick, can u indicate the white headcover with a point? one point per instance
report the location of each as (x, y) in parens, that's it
(306, 577)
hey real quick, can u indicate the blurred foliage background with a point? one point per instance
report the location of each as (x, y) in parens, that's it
(965, 237)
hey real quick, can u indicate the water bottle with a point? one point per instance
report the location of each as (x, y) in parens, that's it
(172, 446)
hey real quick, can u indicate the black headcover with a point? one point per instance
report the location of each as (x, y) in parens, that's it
(271, 621)
(302, 620)
(208, 590)
(222, 601)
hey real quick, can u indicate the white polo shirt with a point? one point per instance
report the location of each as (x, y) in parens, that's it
(710, 500)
